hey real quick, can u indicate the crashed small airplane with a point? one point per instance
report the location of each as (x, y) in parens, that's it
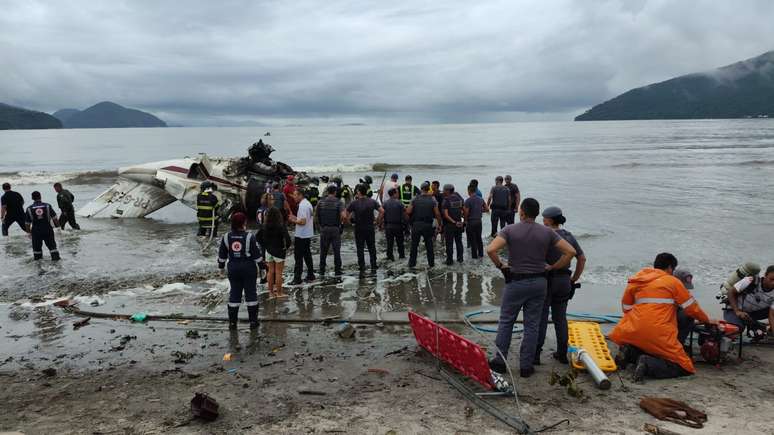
(143, 189)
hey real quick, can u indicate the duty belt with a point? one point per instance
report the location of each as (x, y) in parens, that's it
(560, 272)
(523, 276)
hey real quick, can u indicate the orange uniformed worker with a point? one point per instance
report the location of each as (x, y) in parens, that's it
(647, 333)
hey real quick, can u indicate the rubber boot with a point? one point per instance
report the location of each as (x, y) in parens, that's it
(55, 256)
(233, 317)
(252, 313)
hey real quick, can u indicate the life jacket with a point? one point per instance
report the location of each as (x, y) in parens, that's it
(500, 197)
(649, 323)
(206, 203)
(454, 206)
(406, 194)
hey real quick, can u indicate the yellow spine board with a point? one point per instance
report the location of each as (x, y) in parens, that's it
(588, 336)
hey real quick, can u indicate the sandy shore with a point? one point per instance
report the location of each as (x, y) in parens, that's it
(117, 377)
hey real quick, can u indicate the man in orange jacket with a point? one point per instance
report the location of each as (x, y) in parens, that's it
(647, 333)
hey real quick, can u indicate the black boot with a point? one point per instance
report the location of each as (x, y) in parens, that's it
(233, 317)
(252, 313)
(55, 256)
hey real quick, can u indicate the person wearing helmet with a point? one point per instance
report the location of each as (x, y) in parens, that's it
(240, 250)
(560, 285)
(384, 189)
(312, 191)
(451, 210)
(206, 210)
(367, 181)
(422, 211)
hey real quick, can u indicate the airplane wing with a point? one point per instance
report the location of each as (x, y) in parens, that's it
(127, 199)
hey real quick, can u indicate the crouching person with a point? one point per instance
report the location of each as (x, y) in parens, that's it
(647, 333)
(239, 249)
(750, 300)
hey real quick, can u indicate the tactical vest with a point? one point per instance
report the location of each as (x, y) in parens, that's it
(406, 194)
(329, 212)
(422, 209)
(454, 206)
(500, 196)
(206, 202)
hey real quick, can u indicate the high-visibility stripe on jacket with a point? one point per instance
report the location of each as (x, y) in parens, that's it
(649, 323)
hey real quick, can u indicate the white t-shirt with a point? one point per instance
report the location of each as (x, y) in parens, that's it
(305, 231)
(756, 299)
(386, 189)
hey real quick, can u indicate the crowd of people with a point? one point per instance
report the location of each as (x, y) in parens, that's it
(659, 312)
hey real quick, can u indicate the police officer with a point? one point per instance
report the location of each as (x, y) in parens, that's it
(473, 211)
(408, 191)
(240, 249)
(206, 209)
(394, 223)
(363, 209)
(528, 244)
(66, 210)
(454, 226)
(515, 199)
(422, 211)
(330, 213)
(41, 220)
(499, 202)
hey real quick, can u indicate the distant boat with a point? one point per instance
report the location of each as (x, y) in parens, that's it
(267, 134)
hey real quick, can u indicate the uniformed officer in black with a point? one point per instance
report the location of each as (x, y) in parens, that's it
(393, 224)
(41, 221)
(454, 226)
(12, 209)
(329, 214)
(515, 199)
(422, 211)
(206, 209)
(64, 198)
(499, 203)
(363, 209)
(240, 250)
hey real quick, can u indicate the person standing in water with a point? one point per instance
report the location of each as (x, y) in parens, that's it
(41, 221)
(363, 208)
(240, 250)
(473, 210)
(454, 226)
(66, 209)
(330, 212)
(499, 202)
(275, 240)
(560, 286)
(422, 211)
(302, 244)
(515, 199)
(12, 209)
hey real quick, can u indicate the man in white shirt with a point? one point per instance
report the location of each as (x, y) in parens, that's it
(384, 190)
(752, 298)
(302, 252)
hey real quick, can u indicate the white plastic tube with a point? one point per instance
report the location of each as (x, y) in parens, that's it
(596, 373)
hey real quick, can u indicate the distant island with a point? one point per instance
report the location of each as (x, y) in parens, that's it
(107, 115)
(741, 90)
(17, 118)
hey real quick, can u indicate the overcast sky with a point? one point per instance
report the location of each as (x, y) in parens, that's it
(230, 62)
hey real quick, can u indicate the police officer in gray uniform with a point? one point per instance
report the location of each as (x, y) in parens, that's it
(394, 224)
(330, 211)
(452, 216)
(422, 211)
(528, 244)
(499, 202)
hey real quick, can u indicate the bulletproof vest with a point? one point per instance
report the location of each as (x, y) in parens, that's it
(40, 213)
(406, 194)
(393, 212)
(238, 245)
(329, 212)
(422, 210)
(279, 200)
(454, 206)
(205, 206)
(500, 195)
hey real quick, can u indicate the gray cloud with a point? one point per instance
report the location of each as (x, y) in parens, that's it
(203, 62)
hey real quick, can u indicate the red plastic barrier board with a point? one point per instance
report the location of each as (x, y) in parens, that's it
(456, 350)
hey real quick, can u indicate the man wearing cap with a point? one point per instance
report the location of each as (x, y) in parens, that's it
(451, 209)
(386, 186)
(528, 244)
(515, 199)
(422, 211)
